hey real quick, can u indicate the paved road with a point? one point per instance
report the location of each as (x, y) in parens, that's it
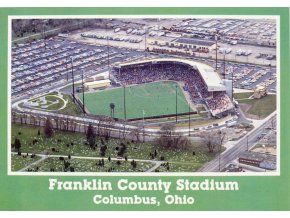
(242, 145)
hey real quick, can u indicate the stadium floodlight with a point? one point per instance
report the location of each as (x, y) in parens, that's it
(270, 71)
(176, 103)
(224, 53)
(125, 114)
(73, 81)
(83, 88)
(216, 47)
(188, 119)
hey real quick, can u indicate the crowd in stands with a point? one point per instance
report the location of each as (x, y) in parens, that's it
(193, 82)
(219, 103)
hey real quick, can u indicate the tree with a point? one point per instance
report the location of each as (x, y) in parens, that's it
(213, 139)
(166, 135)
(17, 144)
(112, 108)
(48, 128)
(136, 133)
(90, 132)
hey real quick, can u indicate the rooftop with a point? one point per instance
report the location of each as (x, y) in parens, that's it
(210, 77)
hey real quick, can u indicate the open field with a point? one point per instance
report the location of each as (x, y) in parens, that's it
(179, 167)
(260, 108)
(68, 143)
(18, 162)
(157, 98)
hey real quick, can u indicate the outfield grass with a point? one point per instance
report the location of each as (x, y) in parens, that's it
(261, 107)
(61, 141)
(85, 165)
(155, 99)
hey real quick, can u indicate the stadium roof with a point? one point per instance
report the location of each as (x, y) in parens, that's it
(195, 42)
(210, 77)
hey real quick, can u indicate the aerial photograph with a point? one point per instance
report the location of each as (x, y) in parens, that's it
(144, 95)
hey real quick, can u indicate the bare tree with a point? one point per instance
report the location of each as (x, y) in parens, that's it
(213, 140)
(135, 133)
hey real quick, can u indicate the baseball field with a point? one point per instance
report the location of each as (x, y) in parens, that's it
(155, 99)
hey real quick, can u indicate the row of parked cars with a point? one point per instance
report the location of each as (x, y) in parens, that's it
(113, 38)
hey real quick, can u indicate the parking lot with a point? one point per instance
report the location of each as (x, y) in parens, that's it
(246, 76)
(40, 64)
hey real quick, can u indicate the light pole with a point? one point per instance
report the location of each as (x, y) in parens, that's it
(72, 72)
(125, 114)
(176, 104)
(232, 85)
(270, 71)
(224, 64)
(145, 53)
(108, 53)
(83, 88)
(216, 41)
(188, 119)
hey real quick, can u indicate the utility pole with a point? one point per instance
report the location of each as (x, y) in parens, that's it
(72, 72)
(83, 88)
(176, 104)
(125, 115)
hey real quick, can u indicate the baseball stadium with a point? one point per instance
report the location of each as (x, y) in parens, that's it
(160, 87)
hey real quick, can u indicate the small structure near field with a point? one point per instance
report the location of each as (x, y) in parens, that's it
(260, 92)
(100, 84)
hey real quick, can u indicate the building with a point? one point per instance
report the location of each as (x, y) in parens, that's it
(100, 84)
(260, 92)
(199, 45)
(265, 161)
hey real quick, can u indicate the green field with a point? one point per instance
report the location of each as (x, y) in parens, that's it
(260, 107)
(158, 98)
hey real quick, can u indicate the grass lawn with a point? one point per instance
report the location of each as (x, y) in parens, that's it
(243, 95)
(177, 167)
(157, 98)
(260, 107)
(62, 142)
(84, 165)
(70, 109)
(19, 162)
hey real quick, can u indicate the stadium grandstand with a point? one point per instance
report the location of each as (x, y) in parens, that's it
(202, 83)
